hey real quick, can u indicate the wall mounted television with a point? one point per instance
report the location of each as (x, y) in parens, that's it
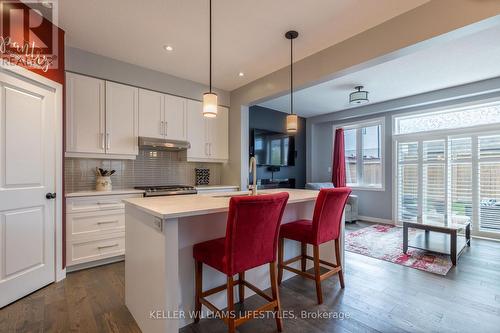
(272, 148)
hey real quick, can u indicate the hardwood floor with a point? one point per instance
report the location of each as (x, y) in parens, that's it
(379, 297)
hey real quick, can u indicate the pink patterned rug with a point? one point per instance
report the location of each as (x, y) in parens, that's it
(385, 242)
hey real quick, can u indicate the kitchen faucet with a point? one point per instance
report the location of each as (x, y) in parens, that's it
(253, 168)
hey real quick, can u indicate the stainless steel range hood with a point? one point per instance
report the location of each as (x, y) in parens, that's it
(163, 144)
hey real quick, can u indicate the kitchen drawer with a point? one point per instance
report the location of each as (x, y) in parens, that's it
(90, 250)
(97, 203)
(88, 224)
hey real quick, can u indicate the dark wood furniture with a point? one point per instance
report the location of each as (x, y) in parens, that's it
(446, 241)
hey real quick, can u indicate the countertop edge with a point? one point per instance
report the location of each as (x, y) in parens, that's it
(101, 193)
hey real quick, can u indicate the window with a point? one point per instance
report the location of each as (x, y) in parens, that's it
(363, 154)
(449, 172)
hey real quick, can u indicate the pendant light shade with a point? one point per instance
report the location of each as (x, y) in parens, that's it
(210, 98)
(210, 105)
(292, 120)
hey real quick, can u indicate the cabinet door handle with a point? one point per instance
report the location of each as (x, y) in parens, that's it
(108, 141)
(206, 149)
(106, 246)
(101, 138)
(161, 127)
(106, 222)
(166, 128)
(210, 149)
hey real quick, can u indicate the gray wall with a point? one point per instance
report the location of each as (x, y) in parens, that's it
(272, 120)
(378, 204)
(83, 62)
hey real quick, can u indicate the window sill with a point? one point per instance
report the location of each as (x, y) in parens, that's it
(366, 188)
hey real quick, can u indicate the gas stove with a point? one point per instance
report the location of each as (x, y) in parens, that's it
(156, 191)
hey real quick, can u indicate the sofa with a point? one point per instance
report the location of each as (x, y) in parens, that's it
(351, 208)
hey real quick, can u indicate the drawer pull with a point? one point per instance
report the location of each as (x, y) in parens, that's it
(106, 222)
(106, 246)
(109, 203)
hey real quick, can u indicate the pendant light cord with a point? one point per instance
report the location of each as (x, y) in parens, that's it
(210, 38)
(291, 76)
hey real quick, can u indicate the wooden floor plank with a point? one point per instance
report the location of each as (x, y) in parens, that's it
(379, 297)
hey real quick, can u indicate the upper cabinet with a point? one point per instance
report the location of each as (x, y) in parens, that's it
(122, 119)
(162, 116)
(208, 136)
(104, 120)
(85, 117)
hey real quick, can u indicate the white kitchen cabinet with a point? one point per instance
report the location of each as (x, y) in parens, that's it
(122, 119)
(85, 120)
(151, 114)
(218, 135)
(175, 118)
(162, 116)
(209, 137)
(95, 230)
(102, 118)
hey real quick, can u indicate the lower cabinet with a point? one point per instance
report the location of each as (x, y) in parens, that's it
(95, 230)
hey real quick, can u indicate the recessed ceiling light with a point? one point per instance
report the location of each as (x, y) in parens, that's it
(241, 74)
(168, 48)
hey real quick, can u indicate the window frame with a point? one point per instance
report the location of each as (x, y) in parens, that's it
(359, 151)
(474, 132)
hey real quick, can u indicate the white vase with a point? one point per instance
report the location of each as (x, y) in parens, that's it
(103, 183)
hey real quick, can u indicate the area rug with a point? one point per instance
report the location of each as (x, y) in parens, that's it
(385, 242)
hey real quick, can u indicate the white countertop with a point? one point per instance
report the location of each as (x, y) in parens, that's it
(201, 204)
(97, 193)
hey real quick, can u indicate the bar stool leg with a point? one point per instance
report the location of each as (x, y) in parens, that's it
(274, 288)
(317, 275)
(303, 252)
(281, 245)
(339, 262)
(198, 290)
(230, 305)
(241, 287)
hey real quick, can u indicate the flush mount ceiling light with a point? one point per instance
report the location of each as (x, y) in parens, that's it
(241, 74)
(359, 96)
(291, 119)
(210, 98)
(168, 48)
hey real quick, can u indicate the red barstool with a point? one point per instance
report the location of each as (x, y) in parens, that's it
(251, 241)
(324, 227)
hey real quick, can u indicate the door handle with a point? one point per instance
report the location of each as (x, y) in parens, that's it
(50, 196)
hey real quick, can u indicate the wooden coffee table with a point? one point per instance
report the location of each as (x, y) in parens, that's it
(443, 239)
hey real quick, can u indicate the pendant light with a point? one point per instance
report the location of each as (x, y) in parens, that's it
(292, 121)
(210, 98)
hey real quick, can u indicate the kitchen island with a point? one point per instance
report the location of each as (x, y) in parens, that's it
(159, 268)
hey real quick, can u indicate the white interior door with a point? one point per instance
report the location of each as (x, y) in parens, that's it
(27, 174)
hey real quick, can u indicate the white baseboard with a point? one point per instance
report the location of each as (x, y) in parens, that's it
(95, 263)
(375, 220)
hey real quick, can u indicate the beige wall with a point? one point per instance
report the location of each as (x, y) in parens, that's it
(416, 29)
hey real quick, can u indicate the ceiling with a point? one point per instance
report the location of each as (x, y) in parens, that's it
(464, 60)
(247, 35)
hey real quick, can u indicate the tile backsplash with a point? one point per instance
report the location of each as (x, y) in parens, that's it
(150, 168)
